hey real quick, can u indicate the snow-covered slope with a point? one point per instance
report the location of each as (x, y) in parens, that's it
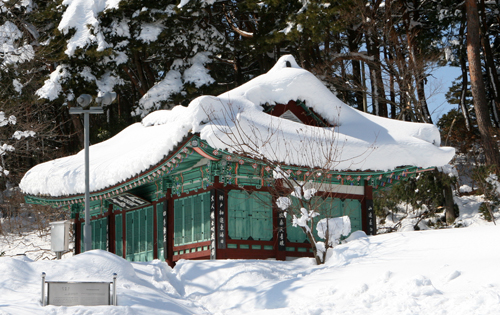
(433, 272)
(361, 141)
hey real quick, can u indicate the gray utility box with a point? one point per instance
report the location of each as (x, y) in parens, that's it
(59, 234)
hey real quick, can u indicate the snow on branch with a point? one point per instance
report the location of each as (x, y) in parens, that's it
(333, 229)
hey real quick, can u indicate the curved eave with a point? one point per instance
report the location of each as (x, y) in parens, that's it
(376, 179)
(193, 145)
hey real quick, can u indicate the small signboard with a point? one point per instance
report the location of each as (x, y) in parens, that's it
(281, 230)
(221, 220)
(78, 293)
(165, 235)
(372, 222)
(70, 293)
(127, 201)
(213, 222)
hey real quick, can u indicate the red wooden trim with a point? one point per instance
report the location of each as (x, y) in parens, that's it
(249, 242)
(155, 231)
(279, 254)
(223, 252)
(111, 230)
(190, 246)
(295, 244)
(364, 212)
(118, 211)
(78, 234)
(205, 254)
(369, 192)
(364, 209)
(162, 199)
(124, 234)
(99, 216)
(170, 229)
(204, 154)
(280, 109)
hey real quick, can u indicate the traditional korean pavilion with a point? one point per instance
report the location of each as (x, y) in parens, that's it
(172, 187)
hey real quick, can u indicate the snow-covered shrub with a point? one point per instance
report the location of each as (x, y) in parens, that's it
(488, 184)
(332, 230)
(419, 201)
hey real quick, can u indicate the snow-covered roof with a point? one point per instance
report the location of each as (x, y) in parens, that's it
(235, 121)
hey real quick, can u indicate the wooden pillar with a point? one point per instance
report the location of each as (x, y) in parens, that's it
(170, 229)
(164, 227)
(222, 216)
(369, 220)
(111, 229)
(124, 234)
(155, 231)
(279, 231)
(78, 234)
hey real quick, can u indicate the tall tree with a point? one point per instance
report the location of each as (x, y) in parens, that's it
(477, 86)
(41, 131)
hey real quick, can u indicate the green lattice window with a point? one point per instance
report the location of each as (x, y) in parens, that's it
(119, 234)
(192, 219)
(139, 234)
(250, 216)
(159, 229)
(99, 234)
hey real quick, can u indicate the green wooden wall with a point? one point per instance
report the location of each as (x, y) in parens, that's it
(250, 216)
(119, 234)
(99, 234)
(139, 234)
(192, 219)
(159, 230)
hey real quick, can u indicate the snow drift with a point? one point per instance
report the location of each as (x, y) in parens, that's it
(433, 272)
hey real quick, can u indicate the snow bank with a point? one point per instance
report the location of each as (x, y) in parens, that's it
(235, 120)
(142, 289)
(433, 272)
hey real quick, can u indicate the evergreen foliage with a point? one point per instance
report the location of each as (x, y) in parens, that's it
(488, 185)
(376, 55)
(423, 197)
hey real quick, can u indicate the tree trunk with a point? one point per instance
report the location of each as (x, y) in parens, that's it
(449, 204)
(463, 66)
(477, 86)
(377, 84)
(311, 239)
(424, 109)
(448, 196)
(491, 70)
(356, 69)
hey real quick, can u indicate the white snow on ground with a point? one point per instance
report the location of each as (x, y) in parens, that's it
(453, 271)
(34, 245)
(359, 140)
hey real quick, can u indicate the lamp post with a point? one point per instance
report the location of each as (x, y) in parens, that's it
(84, 101)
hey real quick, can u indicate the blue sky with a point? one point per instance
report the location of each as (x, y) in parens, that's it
(437, 86)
